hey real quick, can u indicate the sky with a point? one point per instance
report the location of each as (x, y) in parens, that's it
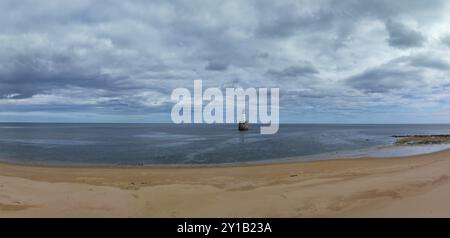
(335, 61)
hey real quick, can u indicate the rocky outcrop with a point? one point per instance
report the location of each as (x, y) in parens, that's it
(421, 139)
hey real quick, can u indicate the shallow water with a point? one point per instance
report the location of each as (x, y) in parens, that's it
(406, 150)
(137, 144)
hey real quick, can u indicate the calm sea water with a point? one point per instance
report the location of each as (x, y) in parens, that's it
(136, 144)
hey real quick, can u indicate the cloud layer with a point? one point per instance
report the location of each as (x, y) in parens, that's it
(334, 61)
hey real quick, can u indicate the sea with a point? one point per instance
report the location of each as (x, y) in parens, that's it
(201, 144)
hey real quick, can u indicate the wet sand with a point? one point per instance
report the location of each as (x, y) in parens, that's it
(413, 186)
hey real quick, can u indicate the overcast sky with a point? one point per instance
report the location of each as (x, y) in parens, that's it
(340, 61)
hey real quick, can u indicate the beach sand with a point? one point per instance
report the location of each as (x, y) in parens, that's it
(414, 186)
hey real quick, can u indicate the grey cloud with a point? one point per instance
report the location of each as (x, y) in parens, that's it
(424, 60)
(285, 20)
(384, 9)
(263, 55)
(429, 62)
(380, 80)
(129, 48)
(30, 74)
(402, 73)
(400, 36)
(303, 69)
(446, 40)
(217, 65)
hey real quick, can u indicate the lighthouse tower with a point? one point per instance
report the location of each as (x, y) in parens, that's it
(243, 124)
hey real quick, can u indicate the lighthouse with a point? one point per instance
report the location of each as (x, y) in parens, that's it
(243, 124)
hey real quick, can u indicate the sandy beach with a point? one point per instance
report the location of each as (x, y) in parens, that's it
(414, 186)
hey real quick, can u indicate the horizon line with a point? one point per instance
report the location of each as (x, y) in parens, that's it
(284, 123)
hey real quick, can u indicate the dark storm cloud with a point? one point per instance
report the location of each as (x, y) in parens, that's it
(400, 36)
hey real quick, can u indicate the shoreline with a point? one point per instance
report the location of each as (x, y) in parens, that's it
(355, 154)
(365, 187)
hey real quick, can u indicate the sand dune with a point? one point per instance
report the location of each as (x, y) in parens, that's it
(415, 186)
